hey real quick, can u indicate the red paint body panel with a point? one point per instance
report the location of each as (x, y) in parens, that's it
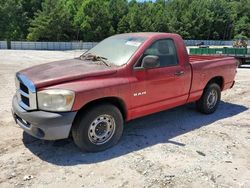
(64, 71)
(163, 88)
(207, 67)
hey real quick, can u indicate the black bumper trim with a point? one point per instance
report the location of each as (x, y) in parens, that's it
(41, 124)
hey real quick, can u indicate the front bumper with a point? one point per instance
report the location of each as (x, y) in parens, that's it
(41, 124)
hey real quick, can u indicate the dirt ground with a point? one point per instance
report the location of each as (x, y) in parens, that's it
(174, 148)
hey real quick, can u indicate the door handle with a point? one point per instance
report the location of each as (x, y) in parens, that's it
(179, 73)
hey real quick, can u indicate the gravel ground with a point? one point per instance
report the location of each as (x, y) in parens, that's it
(174, 148)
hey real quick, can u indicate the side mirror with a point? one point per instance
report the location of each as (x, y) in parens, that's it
(150, 61)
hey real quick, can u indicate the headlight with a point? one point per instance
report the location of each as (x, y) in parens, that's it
(59, 100)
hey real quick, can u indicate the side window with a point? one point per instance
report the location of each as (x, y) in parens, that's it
(165, 50)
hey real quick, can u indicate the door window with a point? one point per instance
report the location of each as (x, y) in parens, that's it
(165, 50)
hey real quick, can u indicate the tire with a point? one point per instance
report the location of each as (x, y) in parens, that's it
(240, 62)
(210, 99)
(98, 128)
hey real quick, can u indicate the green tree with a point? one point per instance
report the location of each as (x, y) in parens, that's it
(195, 19)
(31, 7)
(241, 17)
(145, 17)
(117, 9)
(13, 20)
(242, 26)
(160, 16)
(222, 19)
(123, 25)
(94, 20)
(15, 17)
(176, 10)
(53, 22)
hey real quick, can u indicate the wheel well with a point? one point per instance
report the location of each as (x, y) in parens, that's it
(218, 80)
(111, 100)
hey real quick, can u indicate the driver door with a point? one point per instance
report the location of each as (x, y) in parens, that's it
(161, 87)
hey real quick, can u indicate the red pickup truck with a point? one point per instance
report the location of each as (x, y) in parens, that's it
(123, 77)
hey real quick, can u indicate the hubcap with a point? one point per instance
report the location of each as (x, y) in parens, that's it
(101, 129)
(212, 99)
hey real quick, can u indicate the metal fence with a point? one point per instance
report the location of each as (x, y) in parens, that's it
(3, 44)
(20, 45)
(23, 45)
(209, 42)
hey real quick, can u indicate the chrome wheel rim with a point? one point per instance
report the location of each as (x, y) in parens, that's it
(101, 129)
(212, 99)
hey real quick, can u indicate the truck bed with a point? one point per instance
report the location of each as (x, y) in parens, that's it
(206, 67)
(198, 58)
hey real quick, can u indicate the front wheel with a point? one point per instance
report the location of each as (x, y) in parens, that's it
(210, 99)
(98, 128)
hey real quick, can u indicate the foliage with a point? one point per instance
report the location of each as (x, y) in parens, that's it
(52, 22)
(93, 20)
(142, 17)
(240, 37)
(241, 17)
(117, 9)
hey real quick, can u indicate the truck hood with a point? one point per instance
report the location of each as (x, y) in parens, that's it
(64, 71)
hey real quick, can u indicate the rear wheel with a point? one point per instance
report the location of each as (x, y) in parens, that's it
(240, 62)
(99, 128)
(210, 99)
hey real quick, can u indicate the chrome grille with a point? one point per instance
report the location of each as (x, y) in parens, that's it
(26, 92)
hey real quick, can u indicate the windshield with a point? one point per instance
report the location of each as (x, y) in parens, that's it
(117, 49)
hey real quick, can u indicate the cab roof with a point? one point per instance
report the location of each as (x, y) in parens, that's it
(149, 34)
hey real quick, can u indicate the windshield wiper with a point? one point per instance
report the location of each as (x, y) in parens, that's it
(89, 56)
